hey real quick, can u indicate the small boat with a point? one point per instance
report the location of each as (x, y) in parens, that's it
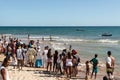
(106, 34)
(79, 30)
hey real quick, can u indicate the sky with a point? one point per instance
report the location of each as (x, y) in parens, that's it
(59, 12)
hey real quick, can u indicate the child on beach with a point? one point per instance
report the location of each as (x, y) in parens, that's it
(87, 70)
(20, 57)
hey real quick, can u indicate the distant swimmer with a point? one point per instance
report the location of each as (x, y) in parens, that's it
(42, 38)
(50, 38)
(28, 36)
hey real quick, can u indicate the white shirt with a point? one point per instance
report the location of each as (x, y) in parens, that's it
(19, 54)
(45, 54)
(109, 61)
(69, 62)
(39, 55)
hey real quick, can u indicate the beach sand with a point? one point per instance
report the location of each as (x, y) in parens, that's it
(41, 74)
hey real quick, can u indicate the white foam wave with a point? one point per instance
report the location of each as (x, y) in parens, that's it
(7, 35)
(108, 41)
(58, 46)
(45, 37)
(73, 40)
(92, 41)
(66, 39)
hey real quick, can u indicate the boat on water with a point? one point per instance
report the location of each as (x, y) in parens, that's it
(79, 30)
(106, 34)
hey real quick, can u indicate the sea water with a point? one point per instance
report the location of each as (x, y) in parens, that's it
(86, 40)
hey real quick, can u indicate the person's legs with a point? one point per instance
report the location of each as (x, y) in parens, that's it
(67, 68)
(50, 66)
(92, 74)
(44, 62)
(76, 71)
(108, 75)
(18, 64)
(109, 72)
(70, 70)
(60, 69)
(53, 66)
(95, 75)
(47, 65)
(22, 63)
(56, 66)
(32, 64)
(96, 71)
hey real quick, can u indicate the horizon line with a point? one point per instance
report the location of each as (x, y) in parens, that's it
(58, 26)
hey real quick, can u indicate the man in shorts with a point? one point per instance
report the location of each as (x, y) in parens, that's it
(94, 62)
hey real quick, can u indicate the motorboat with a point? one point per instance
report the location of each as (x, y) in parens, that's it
(106, 34)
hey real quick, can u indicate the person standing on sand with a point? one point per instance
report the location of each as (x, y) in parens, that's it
(69, 64)
(59, 61)
(38, 62)
(87, 70)
(3, 70)
(74, 67)
(55, 57)
(49, 60)
(94, 62)
(45, 56)
(20, 57)
(110, 64)
(31, 56)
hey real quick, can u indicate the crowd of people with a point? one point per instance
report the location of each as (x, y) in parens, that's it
(65, 63)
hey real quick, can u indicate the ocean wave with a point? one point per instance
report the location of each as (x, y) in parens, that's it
(70, 39)
(92, 41)
(45, 37)
(108, 41)
(58, 46)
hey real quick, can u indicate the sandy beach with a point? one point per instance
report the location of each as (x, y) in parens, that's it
(29, 73)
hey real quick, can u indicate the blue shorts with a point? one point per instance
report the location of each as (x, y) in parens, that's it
(95, 69)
